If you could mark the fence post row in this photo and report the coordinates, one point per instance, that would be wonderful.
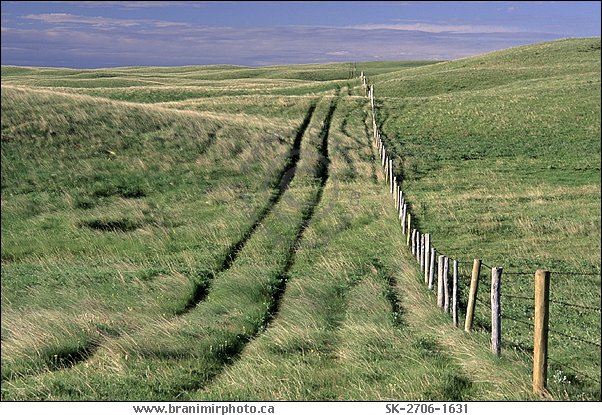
(426, 255)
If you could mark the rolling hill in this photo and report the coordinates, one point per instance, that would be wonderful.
(225, 233)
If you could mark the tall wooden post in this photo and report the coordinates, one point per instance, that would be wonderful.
(472, 296)
(427, 256)
(432, 268)
(496, 312)
(455, 293)
(540, 343)
(409, 228)
(422, 245)
(404, 215)
(391, 174)
(440, 282)
(417, 248)
(446, 284)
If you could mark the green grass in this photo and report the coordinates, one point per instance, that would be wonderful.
(507, 169)
(152, 248)
(119, 211)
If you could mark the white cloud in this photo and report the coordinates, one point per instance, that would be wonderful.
(82, 41)
(85, 20)
(439, 28)
(125, 4)
(339, 53)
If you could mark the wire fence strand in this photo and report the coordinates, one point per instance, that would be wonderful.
(465, 274)
(565, 366)
(526, 323)
(570, 336)
(576, 305)
(585, 307)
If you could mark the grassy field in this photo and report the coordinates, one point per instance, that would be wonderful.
(500, 158)
(224, 233)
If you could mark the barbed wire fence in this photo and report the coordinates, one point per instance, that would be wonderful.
(451, 279)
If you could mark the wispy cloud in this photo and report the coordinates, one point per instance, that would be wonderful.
(439, 28)
(124, 4)
(82, 20)
(189, 45)
(102, 34)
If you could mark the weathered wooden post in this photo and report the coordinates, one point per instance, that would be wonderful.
(496, 312)
(446, 284)
(540, 342)
(472, 296)
(417, 242)
(432, 268)
(440, 282)
(427, 257)
(404, 215)
(421, 252)
(409, 227)
(455, 293)
(413, 246)
(391, 175)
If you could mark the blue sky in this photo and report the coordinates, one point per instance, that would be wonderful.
(90, 34)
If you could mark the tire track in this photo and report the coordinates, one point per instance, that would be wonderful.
(286, 176)
(323, 175)
(229, 356)
(61, 359)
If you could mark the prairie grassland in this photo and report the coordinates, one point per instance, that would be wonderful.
(115, 213)
(225, 233)
(350, 324)
(185, 352)
(501, 162)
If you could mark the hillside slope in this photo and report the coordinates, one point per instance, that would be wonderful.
(500, 157)
(225, 233)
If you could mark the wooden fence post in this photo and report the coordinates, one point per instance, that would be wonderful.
(472, 296)
(496, 312)
(455, 293)
(416, 244)
(413, 246)
(440, 282)
(391, 174)
(422, 245)
(446, 284)
(427, 257)
(417, 249)
(432, 268)
(540, 343)
(408, 228)
(404, 214)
